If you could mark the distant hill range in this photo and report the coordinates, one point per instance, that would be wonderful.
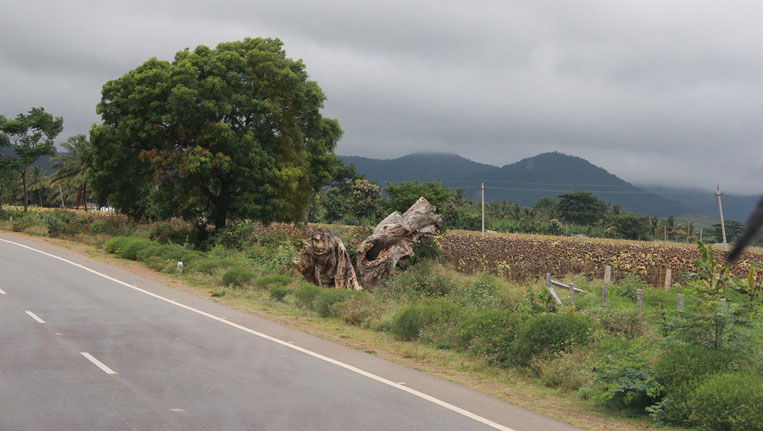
(548, 175)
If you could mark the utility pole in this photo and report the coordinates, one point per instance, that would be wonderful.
(700, 234)
(720, 209)
(483, 210)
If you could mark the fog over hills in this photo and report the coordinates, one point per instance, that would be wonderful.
(547, 175)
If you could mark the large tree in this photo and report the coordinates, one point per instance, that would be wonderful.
(72, 167)
(230, 132)
(581, 207)
(26, 139)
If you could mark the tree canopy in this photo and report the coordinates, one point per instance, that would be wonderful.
(25, 139)
(230, 132)
(581, 207)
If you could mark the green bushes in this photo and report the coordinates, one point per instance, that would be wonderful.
(127, 247)
(409, 322)
(490, 334)
(238, 276)
(623, 377)
(728, 402)
(549, 333)
(305, 295)
(680, 371)
(325, 303)
(174, 231)
(279, 293)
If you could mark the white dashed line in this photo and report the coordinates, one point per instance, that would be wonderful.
(2, 292)
(98, 363)
(348, 367)
(35, 317)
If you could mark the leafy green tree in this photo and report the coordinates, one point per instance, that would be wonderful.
(72, 166)
(581, 207)
(631, 226)
(404, 194)
(356, 200)
(26, 139)
(230, 132)
(547, 207)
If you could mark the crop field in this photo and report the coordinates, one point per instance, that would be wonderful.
(522, 257)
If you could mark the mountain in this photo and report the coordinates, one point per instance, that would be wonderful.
(523, 182)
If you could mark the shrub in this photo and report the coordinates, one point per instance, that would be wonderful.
(268, 281)
(550, 333)
(127, 247)
(325, 302)
(567, 371)
(628, 285)
(543, 302)
(238, 276)
(628, 325)
(279, 293)
(423, 281)
(728, 402)
(680, 371)
(623, 375)
(60, 222)
(361, 308)
(425, 249)
(479, 293)
(236, 237)
(174, 231)
(306, 295)
(490, 334)
(408, 322)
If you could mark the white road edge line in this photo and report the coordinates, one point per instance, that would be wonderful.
(364, 373)
(2, 292)
(97, 363)
(35, 317)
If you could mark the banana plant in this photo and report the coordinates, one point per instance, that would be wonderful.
(749, 286)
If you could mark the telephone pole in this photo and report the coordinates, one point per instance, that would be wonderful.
(718, 193)
(483, 210)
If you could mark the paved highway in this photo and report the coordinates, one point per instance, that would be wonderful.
(87, 346)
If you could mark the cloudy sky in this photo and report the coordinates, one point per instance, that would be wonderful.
(657, 92)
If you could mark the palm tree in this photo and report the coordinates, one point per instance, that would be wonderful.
(71, 166)
(38, 182)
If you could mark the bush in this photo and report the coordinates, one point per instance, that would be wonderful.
(174, 231)
(728, 402)
(325, 303)
(60, 223)
(543, 302)
(479, 293)
(490, 334)
(236, 237)
(623, 375)
(423, 281)
(680, 371)
(306, 295)
(238, 276)
(127, 247)
(550, 333)
(268, 281)
(408, 322)
(361, 308)
(279, 293)
(628, 285)
(425, 249)
(567, 371)
(628, 325)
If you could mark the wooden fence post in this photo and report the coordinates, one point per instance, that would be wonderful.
(572, 294)
(604, 299)
(680, 301)
(608, 274)
(640, 300)
(668, 275)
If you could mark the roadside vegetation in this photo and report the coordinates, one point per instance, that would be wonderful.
(700, 367)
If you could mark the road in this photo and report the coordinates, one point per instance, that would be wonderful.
(87, 346)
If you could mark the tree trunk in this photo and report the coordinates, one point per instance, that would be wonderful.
(393, 239)
(324, 261)
(84, 194)
(26, 192)
(79, 197)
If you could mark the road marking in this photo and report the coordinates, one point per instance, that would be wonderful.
(35, 317)
(177, 410)
(97, 363)
(2, 292)
(348, 367)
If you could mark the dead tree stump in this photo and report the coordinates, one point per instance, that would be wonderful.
(324, 261)
(393, 239)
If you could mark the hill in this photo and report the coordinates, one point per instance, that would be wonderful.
(523, 182)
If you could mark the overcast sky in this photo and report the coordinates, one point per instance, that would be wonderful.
(656, 92)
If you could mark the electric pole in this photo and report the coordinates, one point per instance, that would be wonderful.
(720, 209)
(483, 210)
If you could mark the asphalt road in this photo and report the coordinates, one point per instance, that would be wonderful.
(79, 351)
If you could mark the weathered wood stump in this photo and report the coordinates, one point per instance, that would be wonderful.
(324, 261)
(393, 239)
